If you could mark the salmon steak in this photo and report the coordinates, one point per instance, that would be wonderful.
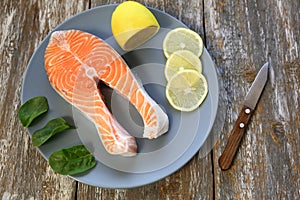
(75, 62)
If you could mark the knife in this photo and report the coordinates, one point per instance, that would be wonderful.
(241, 123)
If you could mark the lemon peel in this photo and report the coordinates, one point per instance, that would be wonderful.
(133, 24)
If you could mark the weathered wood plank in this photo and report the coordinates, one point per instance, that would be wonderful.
(24, 173)
(242, 36)
(193, 181)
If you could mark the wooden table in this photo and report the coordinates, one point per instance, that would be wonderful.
(240, 36)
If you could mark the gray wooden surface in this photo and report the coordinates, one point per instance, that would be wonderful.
(240, 36)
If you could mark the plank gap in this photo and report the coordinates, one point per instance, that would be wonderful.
(76, 190)
(213, 173)
(203, 21)
(211, 153)
(90, 4)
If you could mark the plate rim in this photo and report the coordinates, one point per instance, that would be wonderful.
(132, 185)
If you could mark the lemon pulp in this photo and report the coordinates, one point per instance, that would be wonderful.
(181, 60)
(186, 90)
(182, 39)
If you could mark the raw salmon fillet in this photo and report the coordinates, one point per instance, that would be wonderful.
(75, 62)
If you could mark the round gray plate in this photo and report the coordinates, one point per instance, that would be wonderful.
(157, 158)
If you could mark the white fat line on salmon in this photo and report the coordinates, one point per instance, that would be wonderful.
(124, 83)
(143, 109)
(94, 117)
(123, 133)
(148, 112)
(86, 101)
(103, 130)
(118, 74)
(64, 81)
(88, 107)
(77, 94)
(59, 37)
(76, 98)
(152, 117)
(137, 99)
(131, 89)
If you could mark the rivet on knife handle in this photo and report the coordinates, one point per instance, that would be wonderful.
(234, 140)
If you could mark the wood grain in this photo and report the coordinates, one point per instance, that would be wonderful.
(24, 173)
(240, 36)
(195, 180)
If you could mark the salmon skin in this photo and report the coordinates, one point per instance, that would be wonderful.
(75, 62)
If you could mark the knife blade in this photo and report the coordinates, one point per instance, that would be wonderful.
(242, 121)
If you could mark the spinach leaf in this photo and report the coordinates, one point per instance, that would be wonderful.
(31, 109)
(54, 126)
(72, 160)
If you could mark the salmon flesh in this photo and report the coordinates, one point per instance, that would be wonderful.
(75, 62)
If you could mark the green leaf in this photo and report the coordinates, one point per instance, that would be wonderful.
(72, 160)
(54, 126)
(31, 109)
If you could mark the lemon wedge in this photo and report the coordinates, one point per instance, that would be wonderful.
(186, 90)
(133, 24)
(181, 60)
(182, 39)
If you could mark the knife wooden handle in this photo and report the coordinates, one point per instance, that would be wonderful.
(234, 139)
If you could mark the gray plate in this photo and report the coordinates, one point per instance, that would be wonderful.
(157, 158)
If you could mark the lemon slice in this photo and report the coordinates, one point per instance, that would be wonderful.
(186, 90)
(133, 24)
(181, 60)
(182, 39)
